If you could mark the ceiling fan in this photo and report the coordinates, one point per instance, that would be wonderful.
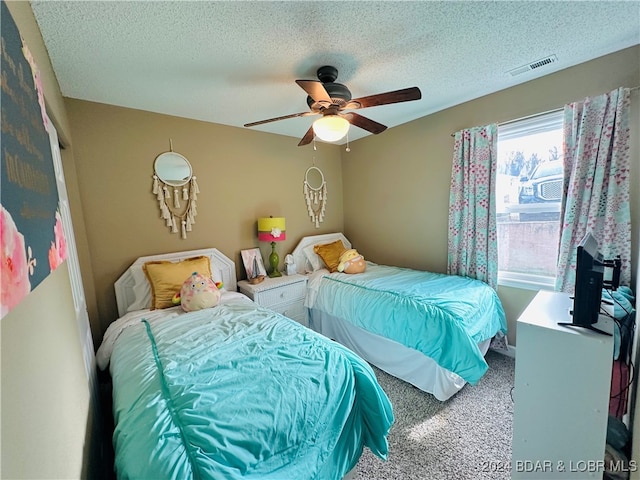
(330, 99)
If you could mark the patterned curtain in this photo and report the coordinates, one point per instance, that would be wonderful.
(596, 182)
(472, 244)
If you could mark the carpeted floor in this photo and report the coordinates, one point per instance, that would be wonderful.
(466, 437)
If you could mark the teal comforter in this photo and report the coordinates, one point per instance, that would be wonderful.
(442, 316)
(239, 392)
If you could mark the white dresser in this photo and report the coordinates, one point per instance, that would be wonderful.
(562, 389)
(283, 294)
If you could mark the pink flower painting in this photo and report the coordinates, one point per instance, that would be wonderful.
(14, 269)
(58, 250)
(30, 225)
(37, 81)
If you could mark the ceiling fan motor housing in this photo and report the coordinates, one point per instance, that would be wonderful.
(336, 91)
(327, 75)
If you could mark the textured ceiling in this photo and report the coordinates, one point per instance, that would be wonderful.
(235, 62)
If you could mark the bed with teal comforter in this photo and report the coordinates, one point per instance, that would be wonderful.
(238, 391)
(445, 317)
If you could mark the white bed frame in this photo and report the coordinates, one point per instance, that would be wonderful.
(392, 357)
(298, 253)
(222, 268)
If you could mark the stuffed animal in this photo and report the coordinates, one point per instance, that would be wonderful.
(351, 262)
(177, 298)
(198, 292)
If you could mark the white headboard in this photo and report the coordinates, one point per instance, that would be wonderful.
(222, 269)
(298, 253)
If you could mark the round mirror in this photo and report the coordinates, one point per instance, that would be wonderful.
(172, 168)
(314, 178)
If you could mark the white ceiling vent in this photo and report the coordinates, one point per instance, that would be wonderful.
(533, 65)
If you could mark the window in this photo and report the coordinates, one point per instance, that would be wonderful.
(528, 196)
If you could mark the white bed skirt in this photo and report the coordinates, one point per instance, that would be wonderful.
(392, 357)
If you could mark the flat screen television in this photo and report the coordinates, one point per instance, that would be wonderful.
(588, 287)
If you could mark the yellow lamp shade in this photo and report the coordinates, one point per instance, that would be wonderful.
(272, 229)
(331, 128)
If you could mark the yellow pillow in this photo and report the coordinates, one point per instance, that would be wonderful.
(166, 277)
(330, 254)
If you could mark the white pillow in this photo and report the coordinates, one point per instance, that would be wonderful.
(141, 291)
(312, 258)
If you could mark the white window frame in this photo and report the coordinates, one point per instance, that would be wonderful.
(539, 123)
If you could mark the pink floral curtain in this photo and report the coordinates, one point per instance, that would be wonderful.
(596, 182)
(472, 240)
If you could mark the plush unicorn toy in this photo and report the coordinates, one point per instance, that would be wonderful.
(198, 292)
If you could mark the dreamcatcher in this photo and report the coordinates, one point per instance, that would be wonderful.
(315, 196)
(173, 183)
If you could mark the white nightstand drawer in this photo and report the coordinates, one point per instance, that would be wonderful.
(276, 296)
(284, 295)
(294, 310)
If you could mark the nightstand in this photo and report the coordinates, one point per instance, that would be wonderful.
(283, 294)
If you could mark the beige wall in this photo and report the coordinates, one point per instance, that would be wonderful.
(242, 175)
(45, 394)
(397, 184)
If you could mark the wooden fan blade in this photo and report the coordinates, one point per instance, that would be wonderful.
(308, 137)
(397, 96)
(364, 123)
(284, 117)
(315, 90)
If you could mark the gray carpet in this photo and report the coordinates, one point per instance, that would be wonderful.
(466, 437)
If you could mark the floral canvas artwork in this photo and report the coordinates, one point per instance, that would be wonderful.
(14, 269)
(33, 242)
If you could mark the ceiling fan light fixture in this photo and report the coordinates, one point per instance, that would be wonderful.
(331, 128)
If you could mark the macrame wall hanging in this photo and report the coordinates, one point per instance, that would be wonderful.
(176, 190)
(315, 194)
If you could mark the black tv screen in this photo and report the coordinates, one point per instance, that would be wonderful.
(589, 282)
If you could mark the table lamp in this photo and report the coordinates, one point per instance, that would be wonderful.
(272, 230)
